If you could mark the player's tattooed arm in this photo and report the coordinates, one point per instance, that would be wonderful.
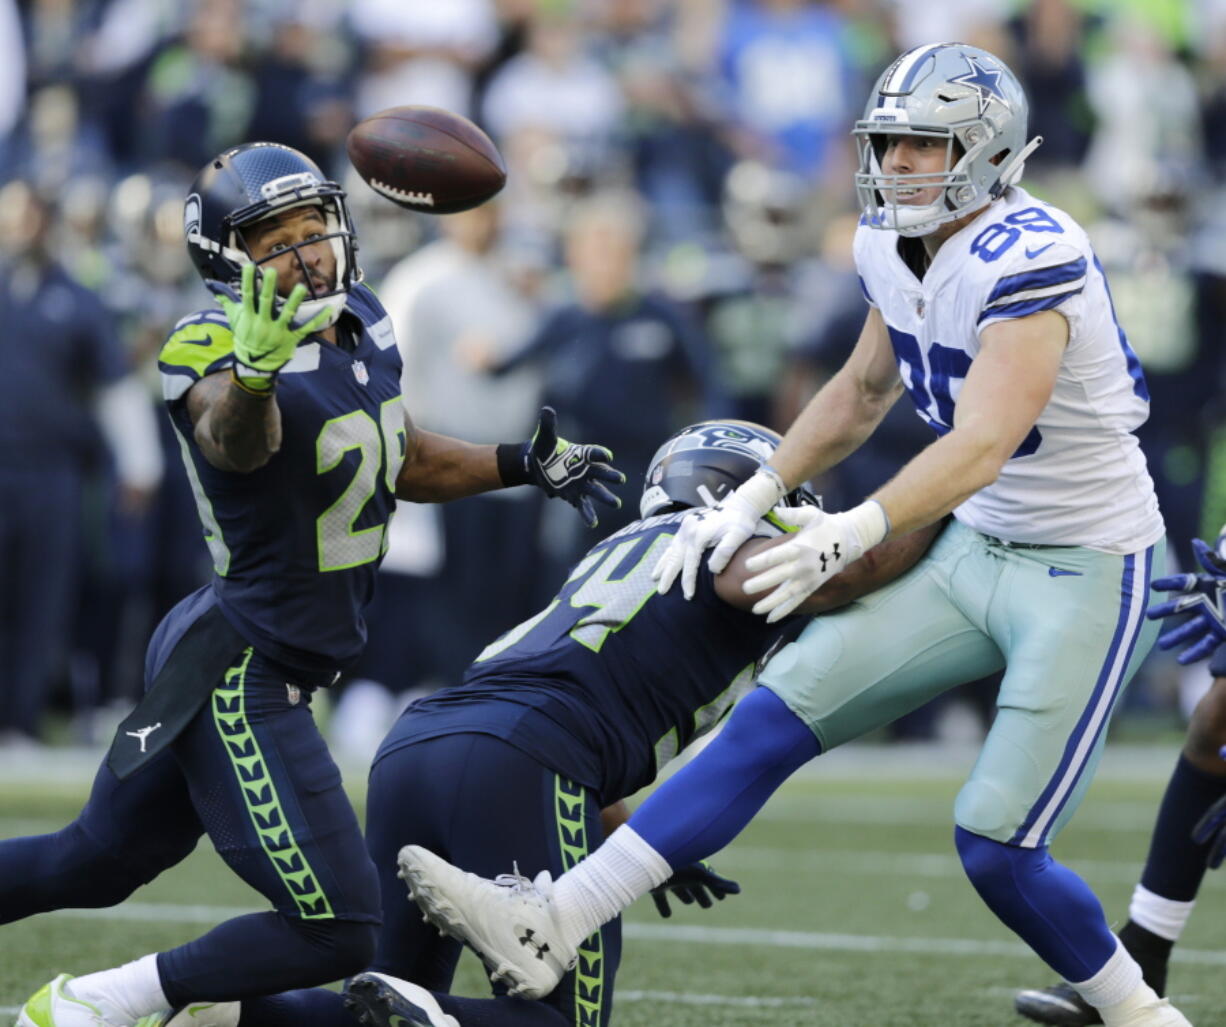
(236, 431)
(877, 567)
(438, 468)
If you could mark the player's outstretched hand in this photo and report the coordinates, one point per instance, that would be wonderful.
(1211, 828)
(570, 471)
(694, 883)
(725, 526)
(1199, 594)
(263, 344)
(800, 566)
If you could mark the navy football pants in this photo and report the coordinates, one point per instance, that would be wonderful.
(483, 805)
(251, 770)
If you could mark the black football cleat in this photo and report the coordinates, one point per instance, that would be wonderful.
(381, 1000)
(1059, 1005)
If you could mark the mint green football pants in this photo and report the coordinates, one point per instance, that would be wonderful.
(1067, 624)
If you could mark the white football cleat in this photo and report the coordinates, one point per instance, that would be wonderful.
(381, 1000)
(54, 1005)
(508, 922)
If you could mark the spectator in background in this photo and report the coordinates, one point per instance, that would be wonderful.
(198, 98)
(64, 378)
(555, 112)
(761, 291)
(619, 359)
(302, 88)
(454, 304)
(422, 53)
(1147, 138)
(1049, 38)
(784, 77)
(678, 163)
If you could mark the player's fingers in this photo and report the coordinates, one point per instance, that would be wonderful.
(319, 321)
(1174, 583)
(597, 491)
(606, 472)
(660, 898)
(665, 571)
(786, 609)
(545, 441)
(1160, 610)
(290, 307)
(1206, 557)
(268, 293)
(690, 563)
(724, 550)
(587, 512)
(1186, 631)
(1199, 651)
(772, 557)
(771, 577)
(769, 602)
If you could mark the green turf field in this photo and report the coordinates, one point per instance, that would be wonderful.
(855, 911)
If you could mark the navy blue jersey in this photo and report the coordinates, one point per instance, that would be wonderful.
(296, 543)
(611, 679)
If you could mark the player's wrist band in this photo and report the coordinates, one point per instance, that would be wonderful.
(512, 464)
(254, 383)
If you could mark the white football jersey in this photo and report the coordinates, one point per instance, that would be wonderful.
(1079, 477)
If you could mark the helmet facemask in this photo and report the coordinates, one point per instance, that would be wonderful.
(337, 233)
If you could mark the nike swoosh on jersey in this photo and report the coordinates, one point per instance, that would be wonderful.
(1056, 572)
(1035, 253)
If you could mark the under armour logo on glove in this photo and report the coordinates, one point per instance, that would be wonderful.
(800, 566)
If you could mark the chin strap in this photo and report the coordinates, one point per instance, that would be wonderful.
(1012, 169)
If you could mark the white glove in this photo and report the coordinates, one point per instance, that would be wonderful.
(725, 526)
(823, 547)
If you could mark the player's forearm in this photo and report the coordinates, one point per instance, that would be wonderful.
(439, 468)
(236, 430)
(834, 424)
(941, 477)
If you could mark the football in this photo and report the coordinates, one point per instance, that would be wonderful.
(426, 159)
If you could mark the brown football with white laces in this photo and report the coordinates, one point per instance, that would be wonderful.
(426, 159)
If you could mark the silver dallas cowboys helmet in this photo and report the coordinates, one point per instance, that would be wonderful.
(949, 91)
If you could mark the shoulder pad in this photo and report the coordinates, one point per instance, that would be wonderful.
(198, 345)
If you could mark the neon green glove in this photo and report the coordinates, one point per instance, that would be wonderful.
(263, 344)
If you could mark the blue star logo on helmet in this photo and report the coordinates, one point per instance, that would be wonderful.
(985, 81)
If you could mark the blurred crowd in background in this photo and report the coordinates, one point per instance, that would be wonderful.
(673, 243)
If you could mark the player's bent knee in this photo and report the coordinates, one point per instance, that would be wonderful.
(983, 809)
(343, 947)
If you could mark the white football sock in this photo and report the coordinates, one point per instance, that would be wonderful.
(134, 989)
(1164, 917)
(1116, 981)
(596, 890)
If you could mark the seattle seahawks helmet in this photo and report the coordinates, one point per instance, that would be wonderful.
(701, 464)
(948, 91)
(255, 181)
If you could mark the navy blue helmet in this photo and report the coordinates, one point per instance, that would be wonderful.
(701, 464)
(252, 182)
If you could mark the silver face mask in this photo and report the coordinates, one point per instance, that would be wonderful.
(952, 92)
